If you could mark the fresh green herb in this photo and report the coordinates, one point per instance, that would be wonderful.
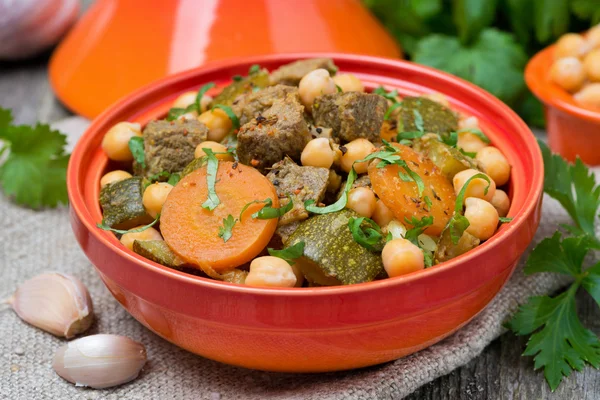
(389, 237)
(366, 233)
(174, 179)
(289, 254)
(268, 212)
(404, 177)
(418, 227)
(211, 179)
(175, 113)
(105, 227)
(200, 94)
(136, 145)
(339, 204)
(225, 231)
(266, 202)
(253, 69)
(477, 133)
(162, 175)
(468, 153)
(339, 88)
(229, 111)
(458, 223)
(418, 120)
(414, 176)
(505, 220)
(34, 172)
(451, 139)
(390, 110)
(391, 95)
(428, 202)
(237, 78)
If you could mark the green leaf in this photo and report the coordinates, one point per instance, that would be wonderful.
(587, 10)
(494, 61)
(409, 135)
(136, 145)
(266, 202)
(229, 111)
(505, 220)
(225, 231)
(201, 92)
(211, 179)
(555, 255)
(551, 19)
(339, 88)
(105, 227)
(451, 139)
(5, 118)
(591, 282)
(418, 227)
(391, 95)
(366, 233)
(174, 179)
(459, 223)
(477, 133)
(418, 120)
(339, 204)
(253, 69)
(269, 212)
(390, 110)
(289, 254)
(472, 16)
(237, 78)
(521, 19)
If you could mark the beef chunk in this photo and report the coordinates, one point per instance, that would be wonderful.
(291, 74)
(351, 115)
(253, 104)
(121, 204)
(279, 131)
(169, 145)
(301, 183)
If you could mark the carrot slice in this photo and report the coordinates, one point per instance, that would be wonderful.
(192, 232)
(402, 197)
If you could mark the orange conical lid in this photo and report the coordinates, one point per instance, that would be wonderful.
(120, 45)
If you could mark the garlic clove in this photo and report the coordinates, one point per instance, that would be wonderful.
(100, 361)
(55, 302)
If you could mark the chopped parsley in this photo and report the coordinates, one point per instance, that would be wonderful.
(136, 145)
(366, 233)
(225, 231)
(268, 211)
(391, 95)
(289, 254)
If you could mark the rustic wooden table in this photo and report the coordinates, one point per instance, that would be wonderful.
(498, 373)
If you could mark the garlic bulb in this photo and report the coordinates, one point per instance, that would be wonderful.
(100, 361)
(55, 302)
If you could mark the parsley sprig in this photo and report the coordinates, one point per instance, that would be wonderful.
(225, 231)
(367, 233)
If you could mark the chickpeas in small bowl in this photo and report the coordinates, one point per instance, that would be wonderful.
(566, 78)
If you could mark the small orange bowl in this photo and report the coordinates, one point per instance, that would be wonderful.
(310, 329)
(573, 130)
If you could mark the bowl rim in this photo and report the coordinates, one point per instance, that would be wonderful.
(78, 206)
(550, 93)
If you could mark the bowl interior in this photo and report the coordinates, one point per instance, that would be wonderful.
(506, 130)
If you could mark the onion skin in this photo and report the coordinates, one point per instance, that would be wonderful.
(27, 27)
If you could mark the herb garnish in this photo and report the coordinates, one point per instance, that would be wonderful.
(200, 94)
(391, 95)
(211, 179)
(289, 254)
(366, 233)
(229, 111)
(268, 212)
(225, 231)
(459, 223)
(339, 89)
(136, 145)
(105, 227)
(418, 120)
(339, 204)
(418, 227)
(177, 112)
(390, 110)
(174, 179)
(505, 220)
(477, 133)
(253, 69)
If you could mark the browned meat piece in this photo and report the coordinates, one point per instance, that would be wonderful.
(253, 104)
(169, 145)
(301, 183)
(351, 115)
(291, 74)
(279, 131)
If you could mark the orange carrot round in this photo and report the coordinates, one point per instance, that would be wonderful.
(192, 232)
(402, 197)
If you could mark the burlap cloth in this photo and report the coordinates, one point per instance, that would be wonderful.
(32, 242)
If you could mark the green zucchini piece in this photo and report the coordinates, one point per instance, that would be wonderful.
(448, 159)
(447, 250)
(157, 251)
(331, 256)
(229, 93)
(436, 117)
(122, 206)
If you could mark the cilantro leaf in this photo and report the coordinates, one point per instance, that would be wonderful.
(268, 212)
(366, 233)
(254, 68)
(229, 111)
(418, 227)
(339, 204)
(390, 110)
(105, 227)
(136, 145)
(494, 61)
(554, 255)
(471, 16)
(201, 92)
(459, 223)
(551, 18)
(211, 179)
(591, 282)
(391, 95)
(225, 231)
(289, 254)
(174, 179)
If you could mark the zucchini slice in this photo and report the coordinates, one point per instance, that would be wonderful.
(122, 206)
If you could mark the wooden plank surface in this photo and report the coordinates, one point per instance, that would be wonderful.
(498, 373)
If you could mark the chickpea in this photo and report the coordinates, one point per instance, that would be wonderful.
(272, 272)
(568, 73)
(217, 122)
(189, 98)
(570, 45)
(317, 153)
(216, 148)
(356, 150)
(382, 215)
(154, 197)
(483, 218)
(593, 37)
(495, 165)
(470, 142)
(114, 176)
(468, 122)
(591, 65)
(116, 141)
(349, 83)
(148, 234)
(438, 98)
(589, 96)
(362, 200)
(501, 202)
(401, 257)
(314, 84)
(476, 186)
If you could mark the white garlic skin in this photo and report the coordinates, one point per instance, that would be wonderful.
(100, 361)
(55, 302)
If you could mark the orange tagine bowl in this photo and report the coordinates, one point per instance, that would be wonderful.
(120, 45)
(320, 328)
